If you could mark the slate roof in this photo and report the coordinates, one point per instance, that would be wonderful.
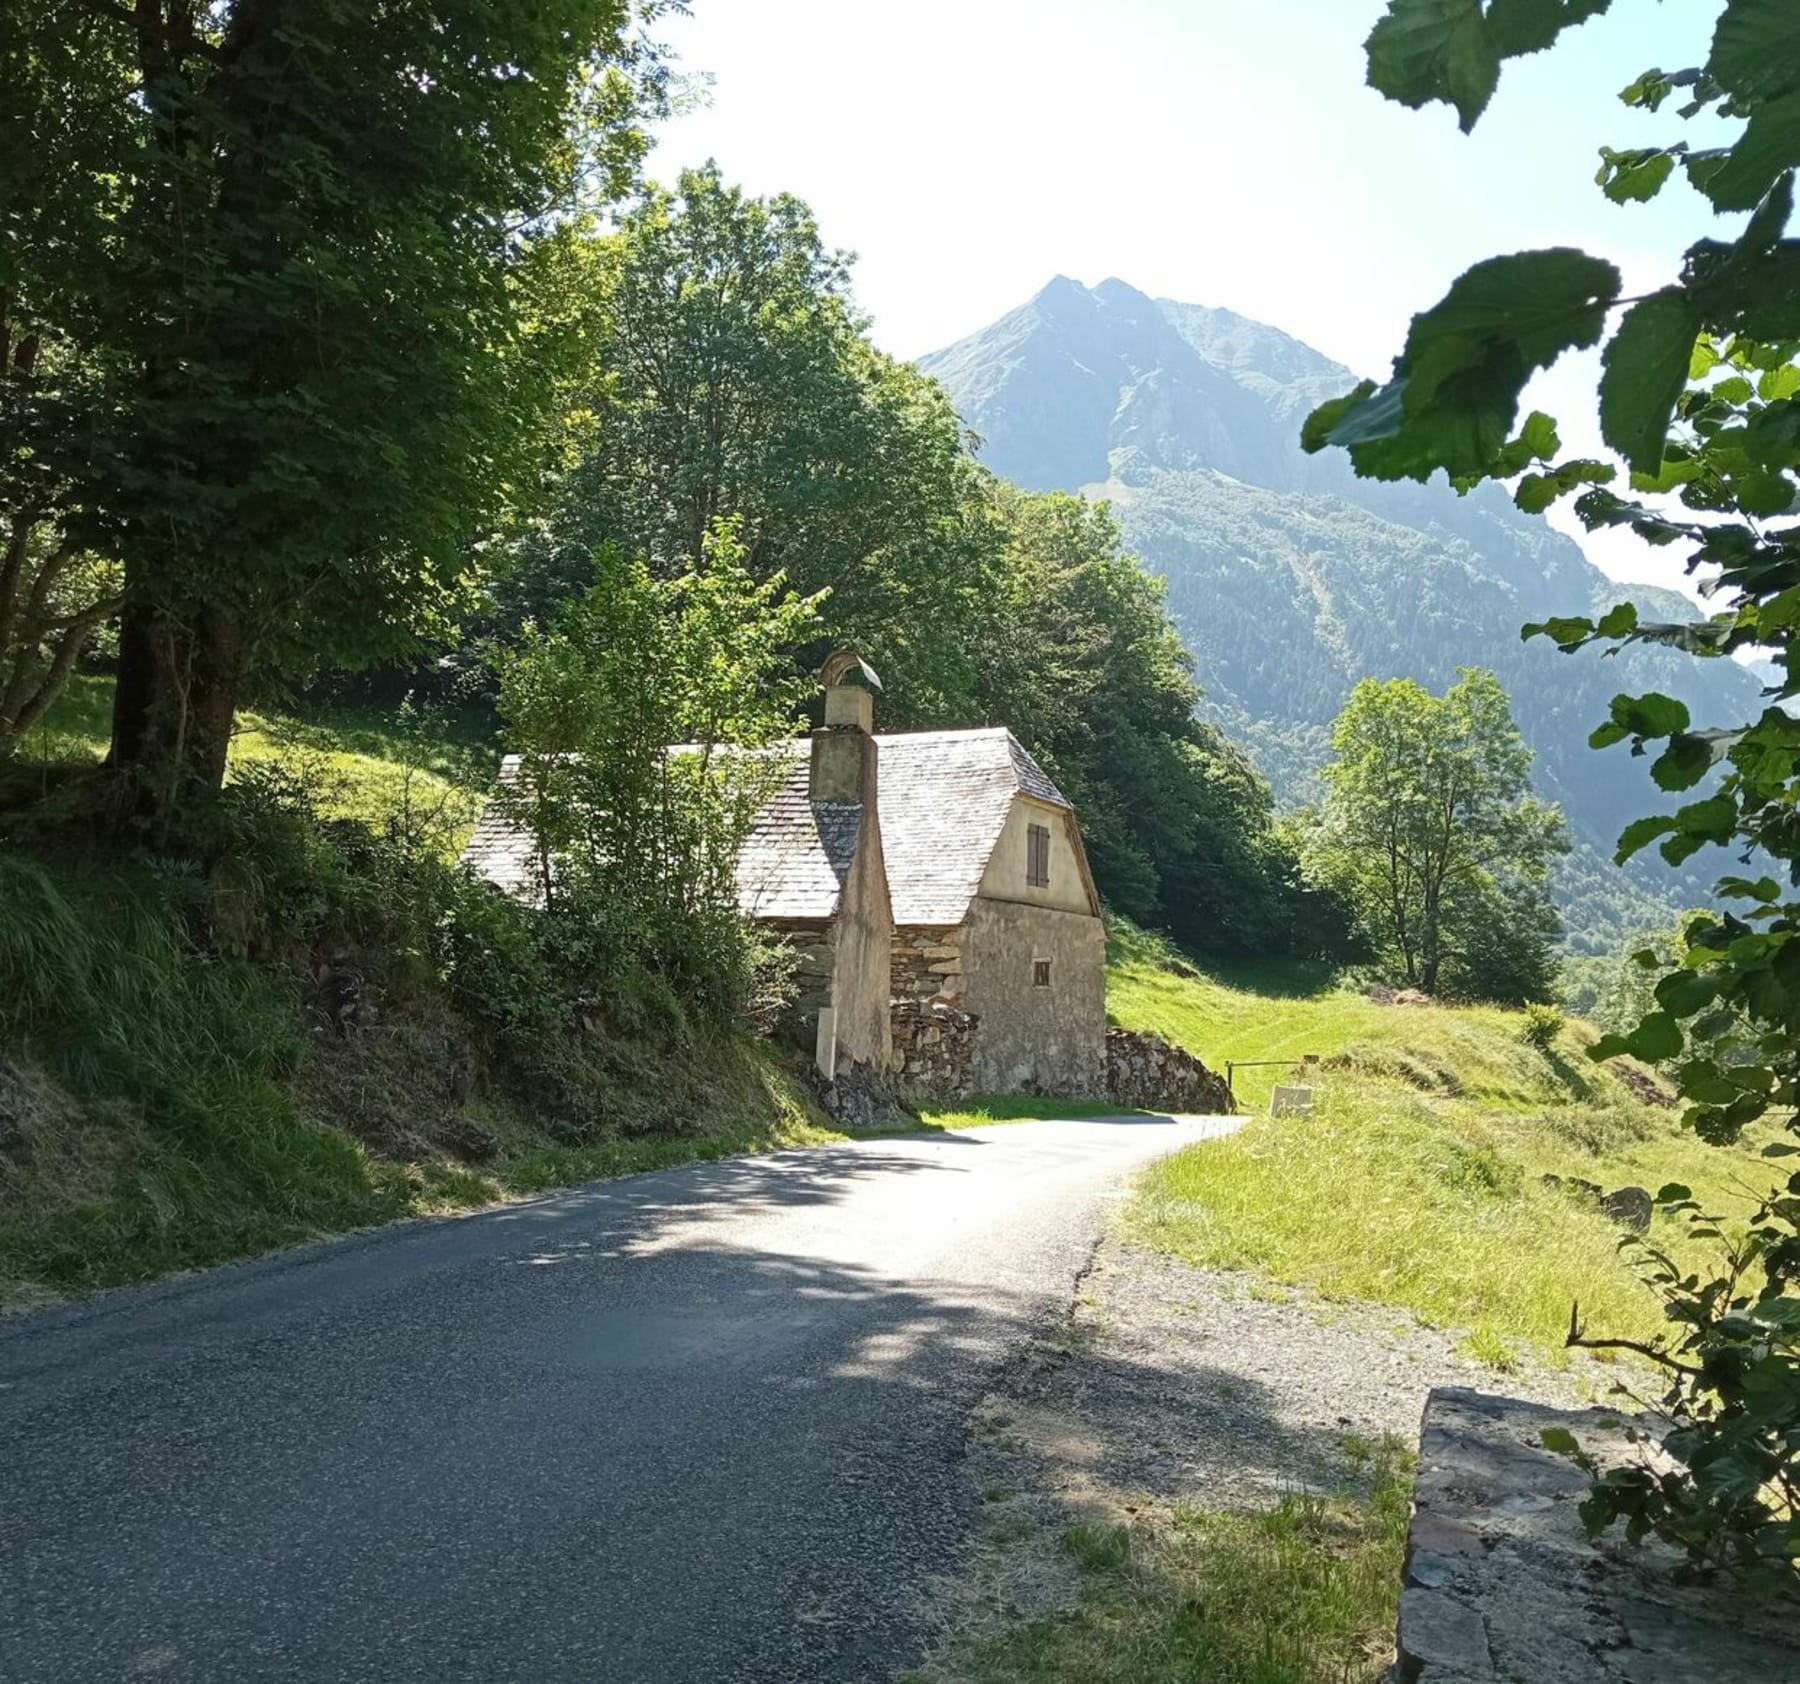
(944, 799)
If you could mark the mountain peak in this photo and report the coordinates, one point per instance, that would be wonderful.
(1112, 290)
(1079, 382)
(1062, 295)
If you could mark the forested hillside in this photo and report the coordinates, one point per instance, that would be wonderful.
(1290, 579)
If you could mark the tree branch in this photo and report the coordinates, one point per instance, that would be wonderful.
(1577, 1338)
(115, 12)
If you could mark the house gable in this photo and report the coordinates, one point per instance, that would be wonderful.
(1056, 855)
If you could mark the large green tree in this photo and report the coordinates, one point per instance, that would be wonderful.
(734, 377)
(1699, 400)
(288, 242)
(1430, 828)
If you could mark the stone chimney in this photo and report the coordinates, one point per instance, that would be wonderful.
(843, 748)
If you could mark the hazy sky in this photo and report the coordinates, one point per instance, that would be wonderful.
(1207, 150)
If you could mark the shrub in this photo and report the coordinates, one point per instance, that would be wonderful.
(652, 721)
(1726, 1488)
(1541, 1027)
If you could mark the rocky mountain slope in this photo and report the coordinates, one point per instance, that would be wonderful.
(1291, 579)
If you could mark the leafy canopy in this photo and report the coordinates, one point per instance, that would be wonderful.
(290, 245)
(1698, 397)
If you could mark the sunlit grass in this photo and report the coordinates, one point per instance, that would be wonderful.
(1304, 1591)
(366, 763)
(1418, 1182)
(987, 1108)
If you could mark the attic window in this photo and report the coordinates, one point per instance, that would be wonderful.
(1040, 973)
(1037, 856)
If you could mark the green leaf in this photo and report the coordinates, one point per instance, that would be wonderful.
(1559, 1441)
(1762, 234)
(1529, 26)
(1683, 763)
(1651, 714)
(1426, 50)
(1646, 370)
(1618, 621)
(1701, 1079)
(1713, 819)
(1539, 436)
(1779, 383)
(1634, 175)
(1536, 492)
(1656, 1038)
(1756, 49)
(1316, 430)
(1568, 631)
(1674, 1192)
(1639, 834)
(1685, 993)
(1769, 146)
(1763, 493)
(1456, 385)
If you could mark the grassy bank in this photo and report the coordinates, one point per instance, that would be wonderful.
(1419, 1182)
(176, 1088)
(363, 763)
(163, 1107)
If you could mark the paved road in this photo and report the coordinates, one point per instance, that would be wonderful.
(696, 1425)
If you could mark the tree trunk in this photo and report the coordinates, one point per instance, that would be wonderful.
(175, 701)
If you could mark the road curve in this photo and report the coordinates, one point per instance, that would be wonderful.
(697, 1425)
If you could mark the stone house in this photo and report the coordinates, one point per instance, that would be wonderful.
(930, 880)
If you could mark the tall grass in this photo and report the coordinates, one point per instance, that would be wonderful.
(181, 1058)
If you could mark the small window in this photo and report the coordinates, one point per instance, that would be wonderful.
(1037, 856)
(1040, 973)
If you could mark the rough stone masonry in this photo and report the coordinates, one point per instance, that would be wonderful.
(1504, 1586)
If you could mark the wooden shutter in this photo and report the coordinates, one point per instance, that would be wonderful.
(1037, 856)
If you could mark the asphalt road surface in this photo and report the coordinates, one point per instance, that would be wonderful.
(700, 1425)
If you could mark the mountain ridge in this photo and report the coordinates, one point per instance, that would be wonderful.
(1289, 578)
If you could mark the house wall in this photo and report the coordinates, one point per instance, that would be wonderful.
(1051, 1040)
(861, 979)
(1005, 876)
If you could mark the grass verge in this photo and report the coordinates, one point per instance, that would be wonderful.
(1419, 1182)
(1303, 1591)
(985, 1109)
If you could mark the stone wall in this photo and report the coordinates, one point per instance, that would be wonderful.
(1148, 1073)
(1503, 1583)
(813, 954)
(934, 1048)
(927, 963)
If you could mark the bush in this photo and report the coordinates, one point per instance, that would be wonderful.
(1541, 1027)
(1726, 1488)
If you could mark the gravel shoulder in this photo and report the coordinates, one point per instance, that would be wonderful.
(1171, 1386)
